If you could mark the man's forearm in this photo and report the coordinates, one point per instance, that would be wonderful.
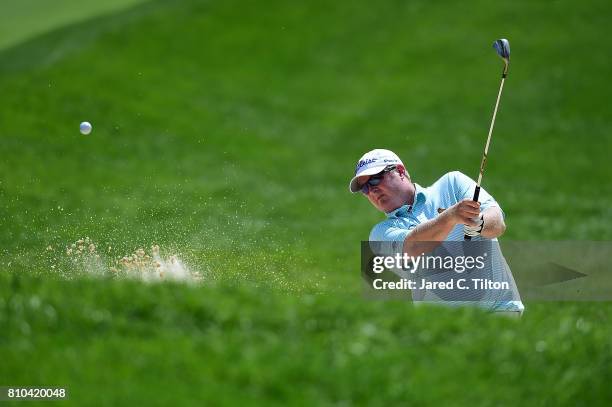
(426, 236)
(494, 225)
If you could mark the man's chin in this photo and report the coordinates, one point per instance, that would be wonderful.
(385, 201)
(385, 206)
(388, 205)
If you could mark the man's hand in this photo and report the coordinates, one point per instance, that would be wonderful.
(466, 212)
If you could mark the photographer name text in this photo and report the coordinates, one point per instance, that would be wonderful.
(452, 284)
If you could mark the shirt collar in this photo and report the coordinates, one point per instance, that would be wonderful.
(402, 211)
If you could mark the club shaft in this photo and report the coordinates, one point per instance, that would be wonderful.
(486, 149)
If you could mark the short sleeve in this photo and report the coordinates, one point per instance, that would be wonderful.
(387, 239)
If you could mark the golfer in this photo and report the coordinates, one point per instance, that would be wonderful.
(442, 212)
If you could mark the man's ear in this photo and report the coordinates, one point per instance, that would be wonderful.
(402, 172)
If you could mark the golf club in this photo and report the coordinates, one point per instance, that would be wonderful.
(502, 47)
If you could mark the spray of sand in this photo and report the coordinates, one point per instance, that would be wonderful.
(85, 257)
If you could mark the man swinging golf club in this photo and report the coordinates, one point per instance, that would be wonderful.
(454, 208)
(420, 217)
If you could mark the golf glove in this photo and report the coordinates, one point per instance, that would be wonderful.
(473, 231)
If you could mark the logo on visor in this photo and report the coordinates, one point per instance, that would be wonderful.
(364, 162)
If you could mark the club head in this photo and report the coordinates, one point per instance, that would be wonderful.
(502, 46)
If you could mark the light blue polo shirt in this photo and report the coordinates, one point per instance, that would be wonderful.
(444, 193)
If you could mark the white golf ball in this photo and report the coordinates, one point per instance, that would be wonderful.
(85, 128)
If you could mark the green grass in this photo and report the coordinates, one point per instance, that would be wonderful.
(129, 343)
(227, 132)
(24, 19)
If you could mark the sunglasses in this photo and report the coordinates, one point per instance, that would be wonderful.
(376, 179)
